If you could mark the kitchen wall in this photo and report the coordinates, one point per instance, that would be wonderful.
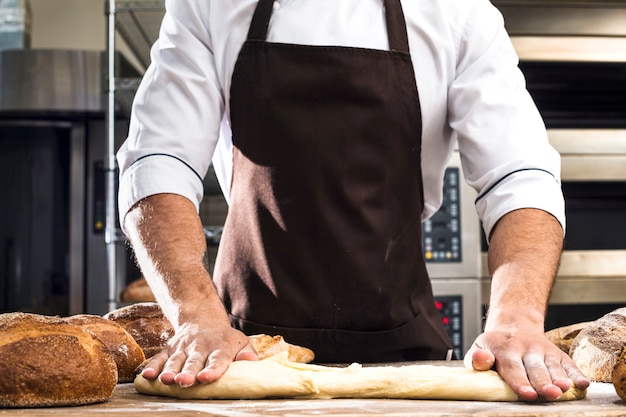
(72, 24)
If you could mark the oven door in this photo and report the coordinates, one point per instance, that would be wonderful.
(593, 264)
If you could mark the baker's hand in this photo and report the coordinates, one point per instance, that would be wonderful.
(198, 354)
(531, 364)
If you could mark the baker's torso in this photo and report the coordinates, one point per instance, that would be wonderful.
(322, 243)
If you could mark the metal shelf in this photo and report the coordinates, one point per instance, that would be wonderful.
(138, 23)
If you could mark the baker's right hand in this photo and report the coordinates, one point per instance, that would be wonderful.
(198, 354)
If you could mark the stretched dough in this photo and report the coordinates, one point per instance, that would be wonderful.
(277, 377)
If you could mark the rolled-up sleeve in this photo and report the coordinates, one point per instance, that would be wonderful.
(176, 113)
(504, 147)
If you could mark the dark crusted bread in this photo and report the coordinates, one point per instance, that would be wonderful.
(47, 362)
(127, 353)
(146, 324)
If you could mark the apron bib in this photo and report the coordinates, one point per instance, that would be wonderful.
(322, 242)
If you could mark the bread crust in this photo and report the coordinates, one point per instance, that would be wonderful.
(146, 323)
(127, 354)
(151, 329)
(137, 291)
(618, 376)
(48, 362)
(563, 337)
(267, 346)
(596, 348)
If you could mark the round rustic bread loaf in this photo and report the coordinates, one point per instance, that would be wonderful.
(597, 347)
(48, 362)
(619, 374)
(127, 353)
(563, 337)
(146, 324)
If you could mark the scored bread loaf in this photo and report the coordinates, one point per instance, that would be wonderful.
(151, 329)
(596, 348)
(127, 354)
(48, 362)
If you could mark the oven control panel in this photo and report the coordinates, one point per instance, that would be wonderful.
(450, 309)
(441, 233)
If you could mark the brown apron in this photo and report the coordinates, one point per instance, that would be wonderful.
(322, 243)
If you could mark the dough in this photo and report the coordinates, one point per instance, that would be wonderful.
(277, 377)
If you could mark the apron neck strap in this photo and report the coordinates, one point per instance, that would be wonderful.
(396, 24)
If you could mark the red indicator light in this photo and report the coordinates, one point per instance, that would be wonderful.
(439, 305)
(446, 320)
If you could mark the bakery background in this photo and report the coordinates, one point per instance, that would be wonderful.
(66, 83)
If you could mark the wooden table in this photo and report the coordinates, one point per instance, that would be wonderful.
(601, 401)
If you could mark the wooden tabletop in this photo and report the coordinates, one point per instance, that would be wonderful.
(601, 400)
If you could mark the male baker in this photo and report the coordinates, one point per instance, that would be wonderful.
(339, 118)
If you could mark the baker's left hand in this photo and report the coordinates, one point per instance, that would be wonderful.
(532, 365)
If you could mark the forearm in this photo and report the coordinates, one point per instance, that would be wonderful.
(524, 254)
(169, 243)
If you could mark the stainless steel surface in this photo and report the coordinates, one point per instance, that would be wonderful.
(110, 230)
(571, 48)
(77, 219)
(463, 278)
(591, 154)
(471, 292)
(33, 79)
(563, 17)
(470, 267)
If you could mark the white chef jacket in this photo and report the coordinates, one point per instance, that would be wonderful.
(471, 91)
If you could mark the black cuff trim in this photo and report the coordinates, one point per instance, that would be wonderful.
(508, 175)
(171, 156)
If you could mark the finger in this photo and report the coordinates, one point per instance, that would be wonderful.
(247, 353)
(193, 365)
(514, 373)
(172, 367)
(216, 365)
(557, 372)
(540, 378)
(480, 359)
(573, 373)
(155, 364)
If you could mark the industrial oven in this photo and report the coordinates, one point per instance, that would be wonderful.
(52, 182)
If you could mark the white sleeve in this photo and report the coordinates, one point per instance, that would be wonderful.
(505, 153)
(176, 113)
